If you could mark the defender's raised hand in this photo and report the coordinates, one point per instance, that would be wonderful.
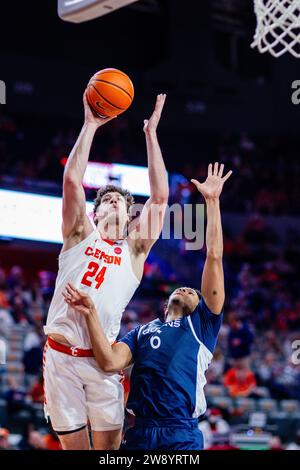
(213, 185)
(150, 125)
(78, 300)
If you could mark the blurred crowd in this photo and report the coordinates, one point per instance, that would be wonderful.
(266, 169)
(256, 354)
(266, 172)
(38, 148)
(255, 346)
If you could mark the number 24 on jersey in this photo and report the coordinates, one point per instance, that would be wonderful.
(93, 274)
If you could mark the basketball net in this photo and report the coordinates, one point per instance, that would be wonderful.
(278, 27)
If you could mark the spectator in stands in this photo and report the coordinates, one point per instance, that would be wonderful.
(16, 277)
(4, 442)
(129, 321)
(240, 338)
(15, 397)
(295, 445)
(33, 353)
(31, 439)
(240, 380)
(216, 370)
(266, 369)
(4, 303)
(287, 382)
(46, 284)
(275, 443)
(214, 427)
(19, 306)
(51, 441)
(37, 391)
(6, 322)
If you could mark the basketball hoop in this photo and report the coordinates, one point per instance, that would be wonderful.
(278, 27)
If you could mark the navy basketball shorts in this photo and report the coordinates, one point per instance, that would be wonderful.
(163, 434)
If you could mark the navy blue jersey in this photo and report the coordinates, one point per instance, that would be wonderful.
(170, 360)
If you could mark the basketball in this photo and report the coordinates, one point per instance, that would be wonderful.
(110, 92)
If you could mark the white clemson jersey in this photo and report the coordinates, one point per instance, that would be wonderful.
(102, 269)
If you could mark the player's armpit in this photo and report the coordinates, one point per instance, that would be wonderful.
(120, 359)
(74, 216)
(212, 287)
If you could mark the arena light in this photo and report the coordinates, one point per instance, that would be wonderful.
(78, 11)
(17, 208)
(30, 216)
(131, 177)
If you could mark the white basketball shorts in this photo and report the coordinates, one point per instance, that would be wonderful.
(78, 392)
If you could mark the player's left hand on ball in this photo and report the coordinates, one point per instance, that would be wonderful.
(150, 125)
(78, 300)
(213, 185)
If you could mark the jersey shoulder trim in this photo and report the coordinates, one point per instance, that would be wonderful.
(209, 353)
(193, 329)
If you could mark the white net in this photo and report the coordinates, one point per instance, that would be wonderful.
(278, 27)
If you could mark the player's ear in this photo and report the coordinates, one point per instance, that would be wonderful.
(166, 309)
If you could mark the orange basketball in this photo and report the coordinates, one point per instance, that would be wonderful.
(110, 92)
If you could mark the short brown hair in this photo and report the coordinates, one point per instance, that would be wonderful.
(111, 188)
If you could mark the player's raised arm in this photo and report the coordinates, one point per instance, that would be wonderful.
(109, 358)
(74, 204)
(152, 216)
(212, 288)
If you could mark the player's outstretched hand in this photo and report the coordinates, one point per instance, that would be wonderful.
(213, 185)
(150, 125)
(90, 117)
(78, 300)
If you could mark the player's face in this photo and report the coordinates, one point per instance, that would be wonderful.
(113, 209)
(185, 297)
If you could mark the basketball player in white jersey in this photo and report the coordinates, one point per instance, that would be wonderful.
(109, 267)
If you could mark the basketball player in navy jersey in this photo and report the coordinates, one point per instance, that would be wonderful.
(169, 358)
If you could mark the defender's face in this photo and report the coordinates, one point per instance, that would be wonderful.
(186, 297)
(112, 209)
